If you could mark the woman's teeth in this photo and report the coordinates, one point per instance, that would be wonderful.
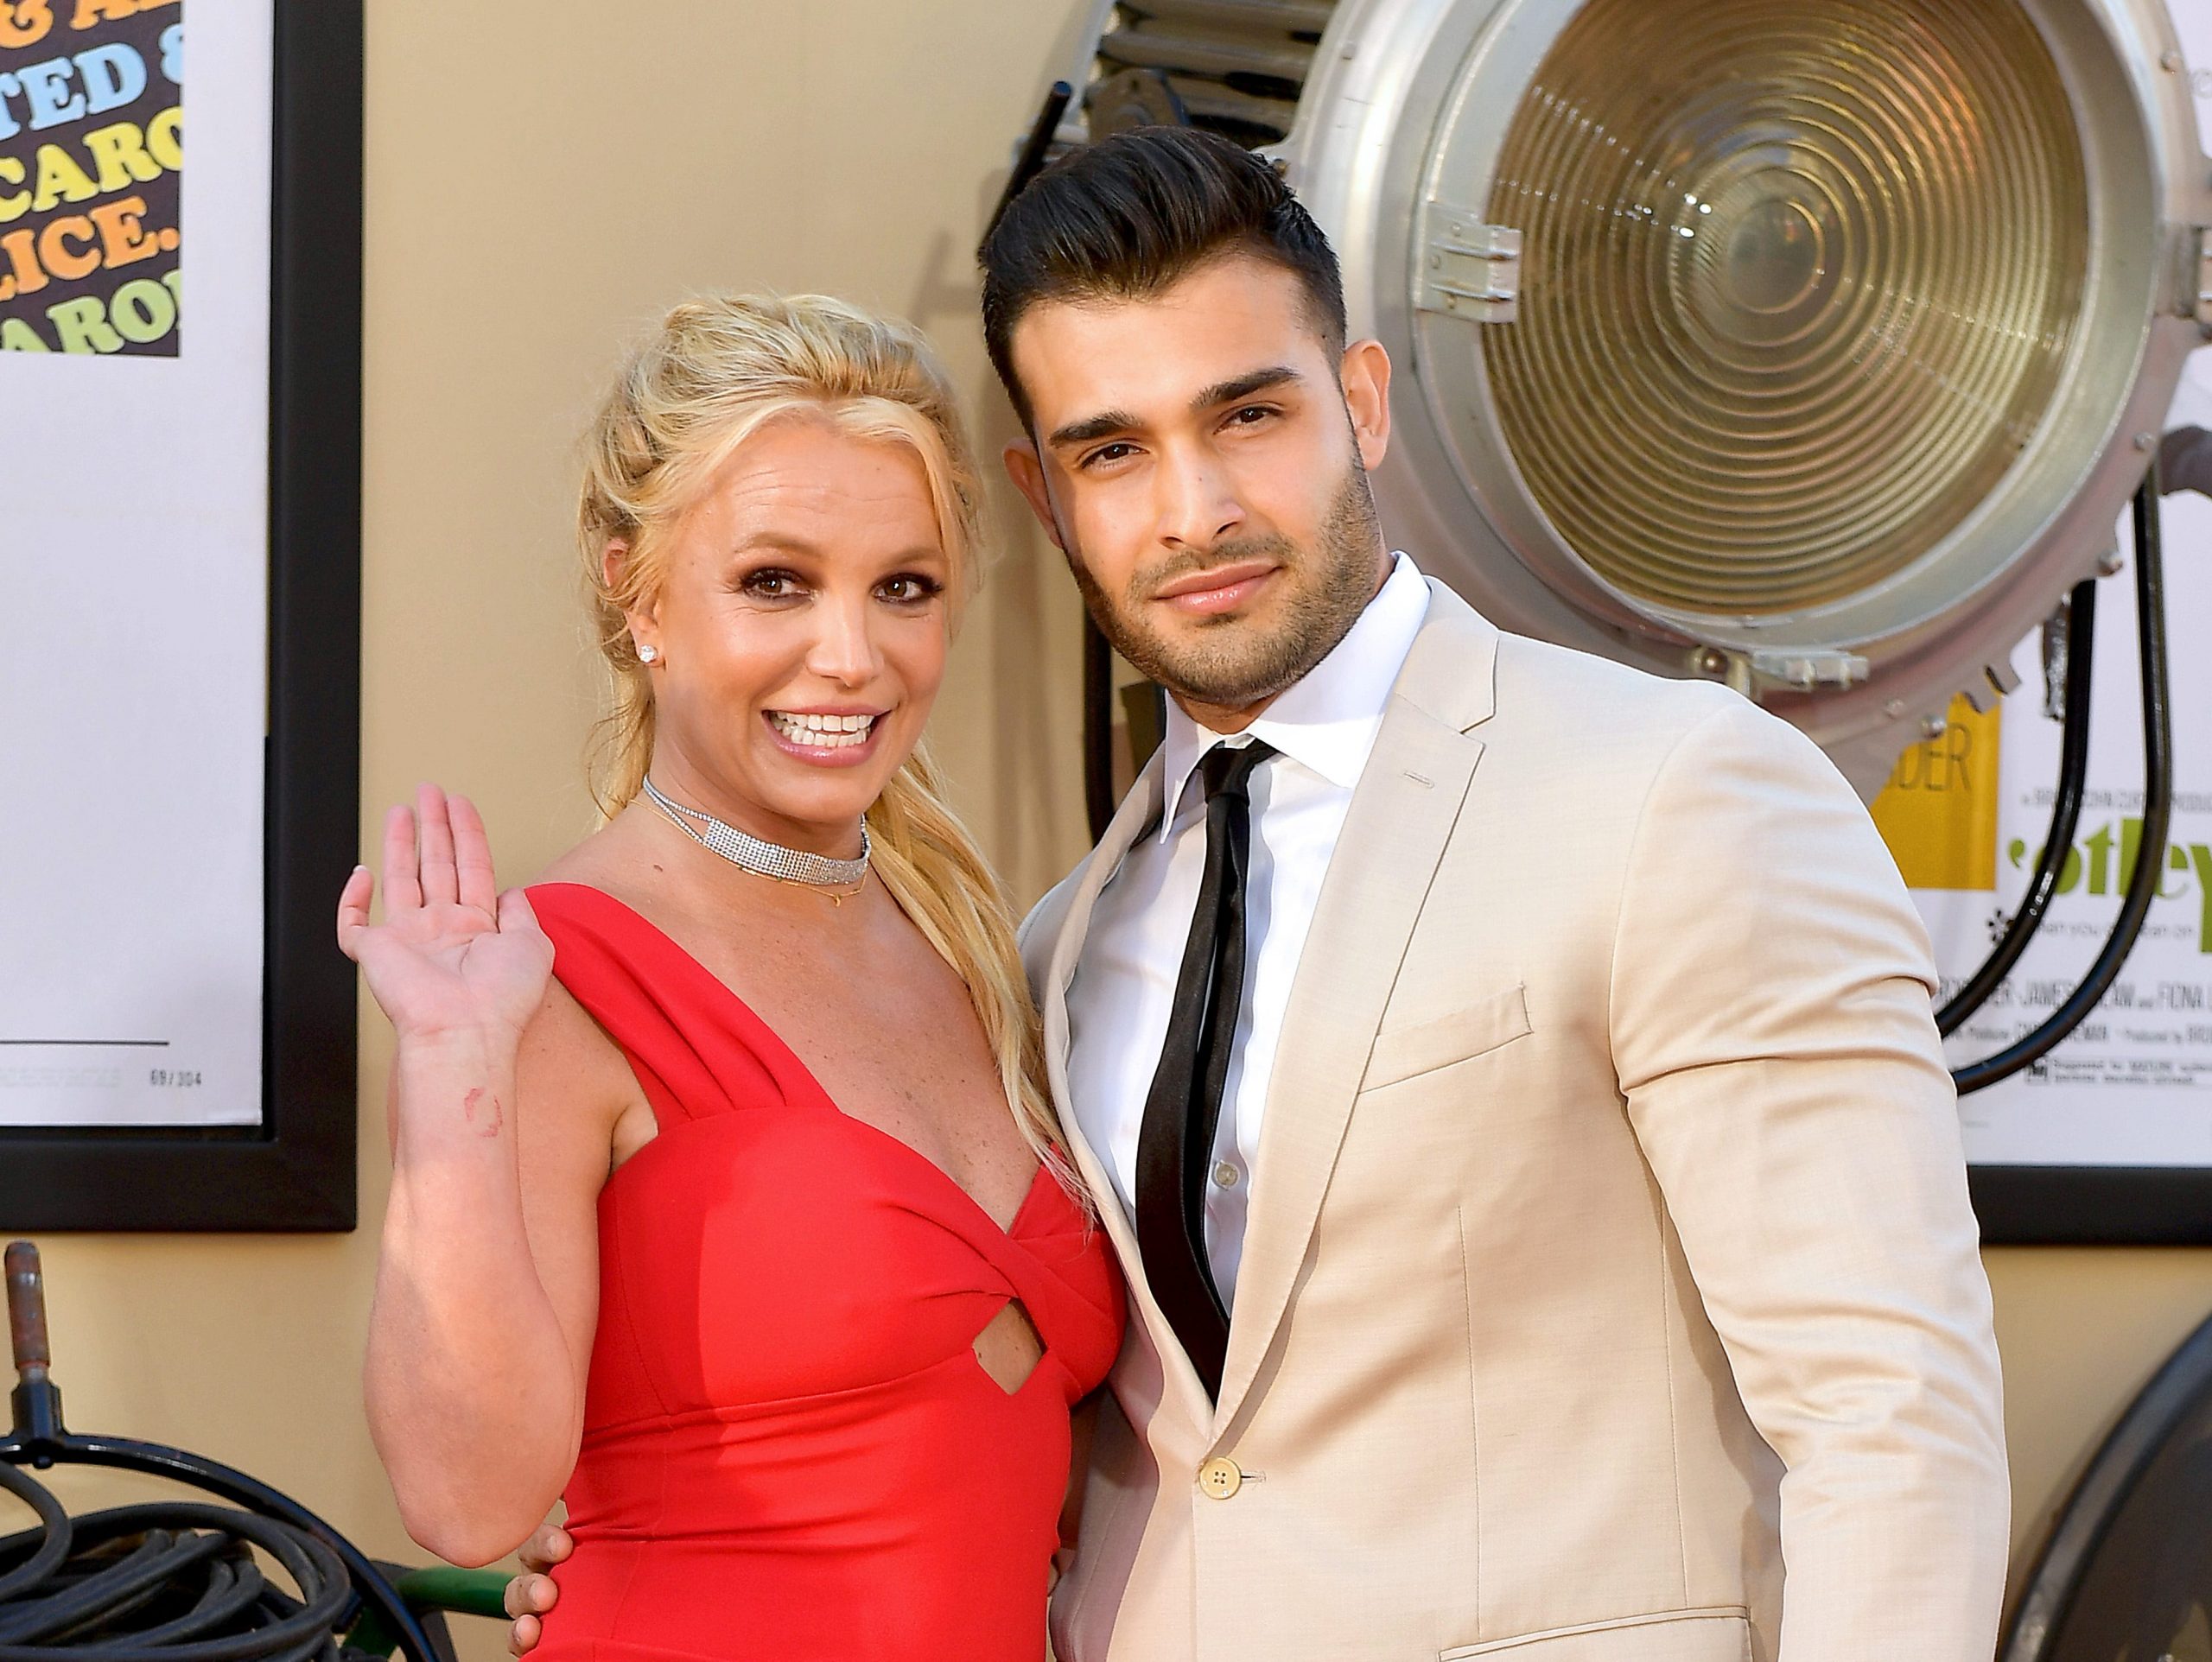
(825, 732)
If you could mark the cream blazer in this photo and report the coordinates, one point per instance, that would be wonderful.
(1611, 1293)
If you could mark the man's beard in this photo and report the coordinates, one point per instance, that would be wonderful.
(1234, 663)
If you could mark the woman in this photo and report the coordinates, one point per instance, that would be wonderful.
(725, 1190)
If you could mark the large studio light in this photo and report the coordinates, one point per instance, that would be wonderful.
(1815, 348)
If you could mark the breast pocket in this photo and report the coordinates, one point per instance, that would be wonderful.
(1717, 1633)
(1458, 1036)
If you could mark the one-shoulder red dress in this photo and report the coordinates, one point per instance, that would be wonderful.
(791, 1451)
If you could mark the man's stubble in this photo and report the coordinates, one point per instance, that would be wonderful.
(1236, 663)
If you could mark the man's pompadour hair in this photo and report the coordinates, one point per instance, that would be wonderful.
(1128, 216)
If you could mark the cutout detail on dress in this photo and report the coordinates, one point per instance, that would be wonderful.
(1009, 1348)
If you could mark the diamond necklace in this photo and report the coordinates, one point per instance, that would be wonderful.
(768, 860)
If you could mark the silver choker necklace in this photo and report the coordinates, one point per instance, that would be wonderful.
(770, 860)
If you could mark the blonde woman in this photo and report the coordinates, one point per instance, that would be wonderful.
(726, 1197)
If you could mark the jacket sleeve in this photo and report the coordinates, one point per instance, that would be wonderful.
(1772, 1030)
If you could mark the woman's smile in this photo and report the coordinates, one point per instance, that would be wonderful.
(826, 738)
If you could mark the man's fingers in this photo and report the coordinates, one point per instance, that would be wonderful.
(403, 885)
(548, 1544)
(471, 855)
(530, 1595)
(441, 883)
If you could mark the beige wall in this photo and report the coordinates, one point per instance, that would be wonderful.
(541, 179)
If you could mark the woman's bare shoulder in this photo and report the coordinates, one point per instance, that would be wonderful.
(613, 860)
(598, 855)
(564, 1046)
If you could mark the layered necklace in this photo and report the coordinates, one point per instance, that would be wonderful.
(837, 878)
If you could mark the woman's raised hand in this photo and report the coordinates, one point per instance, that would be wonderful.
(453, 956)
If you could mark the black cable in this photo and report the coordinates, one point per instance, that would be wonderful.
(2066, 813)
(55, 1533)
(2157, 811)
(173, 1581)
(67, 1605)
(71, 1586)
(154, 1460)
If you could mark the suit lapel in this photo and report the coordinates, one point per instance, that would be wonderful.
(1139, 810)
(1394, 834)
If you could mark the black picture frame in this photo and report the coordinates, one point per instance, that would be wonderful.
(2092, 1206)
(295, 1171)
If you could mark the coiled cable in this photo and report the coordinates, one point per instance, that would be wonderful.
(170, 1581)
(163, 1581)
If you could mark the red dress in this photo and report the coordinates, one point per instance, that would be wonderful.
(790, 1449)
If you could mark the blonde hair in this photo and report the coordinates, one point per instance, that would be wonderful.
(715, 373)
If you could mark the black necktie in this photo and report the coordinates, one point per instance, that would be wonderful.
(1175, 1147)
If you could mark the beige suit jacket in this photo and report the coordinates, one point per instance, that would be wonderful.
(1609, 1292)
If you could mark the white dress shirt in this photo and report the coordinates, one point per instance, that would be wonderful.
(1118, 1005)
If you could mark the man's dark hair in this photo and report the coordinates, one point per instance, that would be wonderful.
(1131, 215)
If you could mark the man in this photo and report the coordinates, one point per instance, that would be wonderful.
(1508, 1079)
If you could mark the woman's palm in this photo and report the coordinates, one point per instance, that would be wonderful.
(452, 954)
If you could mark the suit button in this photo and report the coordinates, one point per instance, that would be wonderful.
(1221, 1478)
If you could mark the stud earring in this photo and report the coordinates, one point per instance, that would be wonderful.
(647, 654)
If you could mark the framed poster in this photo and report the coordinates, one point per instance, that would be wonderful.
(179, 379)
(2109, 1138)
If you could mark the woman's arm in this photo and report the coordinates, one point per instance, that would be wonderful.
(501, 1120)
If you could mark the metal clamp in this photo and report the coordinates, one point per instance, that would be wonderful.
(1997, 681)
(1806, 670)
(1468, 269)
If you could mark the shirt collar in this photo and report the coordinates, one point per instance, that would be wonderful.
(1326, 720)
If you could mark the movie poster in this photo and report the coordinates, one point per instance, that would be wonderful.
(1968, 815)
(91, 144)
(134, 549)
